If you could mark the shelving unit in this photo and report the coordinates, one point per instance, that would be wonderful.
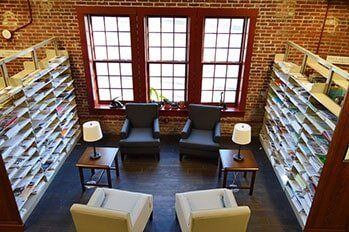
(299, 123)
(39, 125)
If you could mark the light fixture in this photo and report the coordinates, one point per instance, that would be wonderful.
(92, 132)
(6, 34)
(241, 136)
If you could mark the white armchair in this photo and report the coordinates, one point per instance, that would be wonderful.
(211, 210)
(113, 210)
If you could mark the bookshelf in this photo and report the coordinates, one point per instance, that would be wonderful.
(299, 123)
(39, 125)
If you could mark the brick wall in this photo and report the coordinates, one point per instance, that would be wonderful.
(278, 21)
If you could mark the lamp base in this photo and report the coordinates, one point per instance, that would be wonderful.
(95, 156)
(238, 157)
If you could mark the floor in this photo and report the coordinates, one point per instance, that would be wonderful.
(270, 208)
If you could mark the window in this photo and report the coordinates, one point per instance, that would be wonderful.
(112, 59)
(222, 59)
(167, 58)
(177, 54)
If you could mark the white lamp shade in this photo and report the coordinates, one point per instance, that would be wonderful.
(92, 131)
(242, 134)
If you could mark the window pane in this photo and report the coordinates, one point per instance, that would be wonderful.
(104, 94)
(178, 96)
(180, 54)
(167, 54)
(223, 40)
(207, 83)
(114, 69)
(210, 40)
(233, 71)
(217, 96)
(180, 40)
(179, 70)
(124, 39)
(97, 23)
(126, 69)
(231, 84)
(167, 39)
(110, 24)
(206, 96)
(235, 41)
(220, 70)
(99, 38)
(154, 39)
(230, 96)
(167, 24)
(113, 53)
(234, 55)
(167, 94)
(124, 23)
(127, 94)
(102, 68)
(125, 53)
(153, 24)
(115, 82)
(180, 25)
(101, 53)
(237, 25)
(167, 83)
(223, 25)
(154, 69)
(208, 71)
(155, 82)
(209, 55)
(127, 82)
(103, 81)
(210, 25)
(112, 38)
(219, 84)
(167, 70)
(221, 55)
(179, 83)
(116, 93)
(154, 53)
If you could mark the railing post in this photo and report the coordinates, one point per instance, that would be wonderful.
(4, 73)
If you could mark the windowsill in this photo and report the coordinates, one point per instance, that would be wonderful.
(105, 109)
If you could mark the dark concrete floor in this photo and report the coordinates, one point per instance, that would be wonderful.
(270, 208)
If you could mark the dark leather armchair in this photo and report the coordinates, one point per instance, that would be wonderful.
(202, 132)
(140, 133)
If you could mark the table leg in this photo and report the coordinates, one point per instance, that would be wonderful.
(81, 172)
(252, 182)
(245, 174)
(109, 178)
(116, 166)
(224, 178)
(92, 171)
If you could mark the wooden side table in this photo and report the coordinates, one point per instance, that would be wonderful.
(228, 164)
(108, 156)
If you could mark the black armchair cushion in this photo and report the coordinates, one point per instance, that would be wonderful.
(217, 132)
(156, 129)
(140, 137)
(125, 129)
(199, 139)
(204, 117)
(142, 114)
(186, 129)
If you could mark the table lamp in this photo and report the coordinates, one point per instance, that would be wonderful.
(92, 132)
(241, 136)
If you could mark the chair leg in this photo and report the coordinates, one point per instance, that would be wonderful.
(158, 156)
(151, 216)
(180, 156)
(122, 156)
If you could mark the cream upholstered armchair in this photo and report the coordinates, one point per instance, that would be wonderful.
(113, 210)
(211, 210)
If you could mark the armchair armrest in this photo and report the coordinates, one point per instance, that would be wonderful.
(125, 129)
(186, 129)
(156, 129)
(217, 132)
